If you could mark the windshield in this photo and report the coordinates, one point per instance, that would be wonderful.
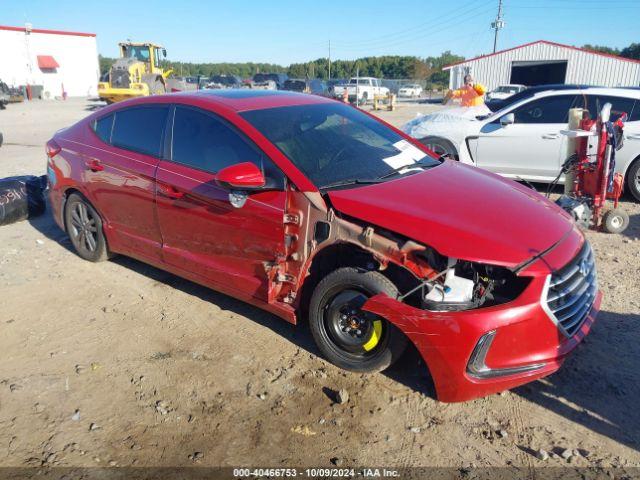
(138, 52)
(333, 142)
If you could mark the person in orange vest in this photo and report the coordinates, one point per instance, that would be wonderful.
(470, 94)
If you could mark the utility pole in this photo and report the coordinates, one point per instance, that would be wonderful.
(329, 59)
(497, 24)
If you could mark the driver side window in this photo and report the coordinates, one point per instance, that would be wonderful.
(202, 140)
(554, 109)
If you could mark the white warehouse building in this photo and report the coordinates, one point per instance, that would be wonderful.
(543, 63)
(55, 60)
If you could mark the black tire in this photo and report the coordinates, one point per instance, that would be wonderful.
(339, 295)
(633, 179)
(440, 147)
(615, 221)
(84, 227)
(1, 139)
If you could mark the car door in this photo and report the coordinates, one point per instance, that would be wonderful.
(619, 105)
(532, 147)
(202, 233)
(120, 171)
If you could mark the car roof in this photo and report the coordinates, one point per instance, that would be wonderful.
(244, 99)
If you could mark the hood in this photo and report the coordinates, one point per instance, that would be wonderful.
(457, 122)
(462, 212)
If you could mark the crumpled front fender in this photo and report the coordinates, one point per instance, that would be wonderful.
(525, 335)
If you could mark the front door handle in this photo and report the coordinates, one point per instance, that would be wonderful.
(551, 136)
(169, 191)
(94, 165)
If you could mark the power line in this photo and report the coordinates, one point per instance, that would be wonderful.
(408, 33)
(497, 25)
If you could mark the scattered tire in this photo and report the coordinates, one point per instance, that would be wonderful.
(615, 221)
(440, 147)
(348, 337)
(633, 179)
(84, 227)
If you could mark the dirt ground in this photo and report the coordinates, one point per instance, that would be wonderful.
(121, 364)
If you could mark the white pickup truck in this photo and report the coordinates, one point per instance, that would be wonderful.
(362, 88)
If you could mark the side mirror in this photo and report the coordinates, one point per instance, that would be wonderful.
(508, 119)
(242, 176)
(238, 179)
(164, 52)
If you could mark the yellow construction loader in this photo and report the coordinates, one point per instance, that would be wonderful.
(137, 73)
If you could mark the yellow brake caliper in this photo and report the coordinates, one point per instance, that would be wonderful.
(375, 336)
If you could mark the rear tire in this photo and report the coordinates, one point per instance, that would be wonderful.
(348, 337)
(633, 179)
(440, 147)
(84, 227)
(615, 221)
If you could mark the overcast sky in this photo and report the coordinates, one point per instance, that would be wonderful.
(287, 31)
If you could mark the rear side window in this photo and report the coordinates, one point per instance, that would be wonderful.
(140, 129)
(554, 109)
(619, 105)
(102, 127)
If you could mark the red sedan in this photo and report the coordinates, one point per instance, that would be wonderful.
(315, 210)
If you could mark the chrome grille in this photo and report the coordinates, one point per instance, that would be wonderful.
(572, 291)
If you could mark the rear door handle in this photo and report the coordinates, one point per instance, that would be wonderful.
(551, 136)
(94, 165)
(169, 191)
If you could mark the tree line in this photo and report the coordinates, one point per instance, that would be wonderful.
(392, 67)
(428, 69)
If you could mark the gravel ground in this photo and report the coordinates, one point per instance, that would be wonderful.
(121, 364)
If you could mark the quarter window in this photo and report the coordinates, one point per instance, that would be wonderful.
(140, 129)
(554, 109)
(102, 127)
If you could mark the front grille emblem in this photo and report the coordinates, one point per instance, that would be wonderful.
(584, 267)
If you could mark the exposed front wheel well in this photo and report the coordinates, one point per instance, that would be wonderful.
(340, 255)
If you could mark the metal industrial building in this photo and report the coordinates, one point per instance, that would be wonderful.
(543, 62)
(57, 61)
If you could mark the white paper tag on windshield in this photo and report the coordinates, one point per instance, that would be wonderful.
(409, 154)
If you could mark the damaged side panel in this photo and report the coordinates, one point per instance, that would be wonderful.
(309, 226)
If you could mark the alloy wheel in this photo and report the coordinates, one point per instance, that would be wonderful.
(83, 229)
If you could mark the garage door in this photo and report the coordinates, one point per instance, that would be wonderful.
(538, 73)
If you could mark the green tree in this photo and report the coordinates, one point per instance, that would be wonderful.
(601, 49)
(632, 51)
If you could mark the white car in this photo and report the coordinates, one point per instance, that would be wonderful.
(523, 140)
(413, 91)
(361, 88)
(505, 91)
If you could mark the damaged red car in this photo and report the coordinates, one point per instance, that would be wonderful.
(316, 211)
